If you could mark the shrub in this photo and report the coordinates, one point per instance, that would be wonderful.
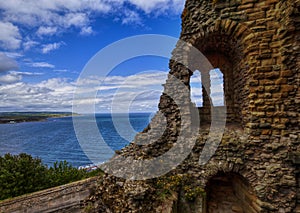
(22, 174)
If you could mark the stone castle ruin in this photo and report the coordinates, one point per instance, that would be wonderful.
(256, 46)
(254, 167)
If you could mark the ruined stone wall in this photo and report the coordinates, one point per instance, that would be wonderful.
(261, 40)
(256, 44)
(66, 198)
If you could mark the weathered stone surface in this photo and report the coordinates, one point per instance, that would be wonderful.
(256, 45)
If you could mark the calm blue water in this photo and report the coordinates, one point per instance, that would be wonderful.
(55, 139)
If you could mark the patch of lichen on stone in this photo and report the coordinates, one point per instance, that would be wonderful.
(167, 185)
(192, 192)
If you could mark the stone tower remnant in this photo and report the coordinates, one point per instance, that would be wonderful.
(255, 168)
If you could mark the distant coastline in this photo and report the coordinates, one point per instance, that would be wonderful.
(19, 117)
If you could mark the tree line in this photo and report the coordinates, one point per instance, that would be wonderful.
(22, 174)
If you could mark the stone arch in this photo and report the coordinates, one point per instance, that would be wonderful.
(211, 95)
(237, 31)
(230, 192)
(216, 167)
(222, 44)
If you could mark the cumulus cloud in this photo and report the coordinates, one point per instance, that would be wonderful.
(138, 92)
(75, 19)
(29, 44)
(33, 13)
(158, 6)
(86, 31)
(10, 37)
(148, 6)
(7, 63)
(130, 17)
(52, 16)
(21, 96)
(57, 93)
(10, 78)
(48, 17)
(46, 31)
(51, 47)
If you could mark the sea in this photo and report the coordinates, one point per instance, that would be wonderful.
(55, 139)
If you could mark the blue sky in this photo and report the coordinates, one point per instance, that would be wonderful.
(45, 44)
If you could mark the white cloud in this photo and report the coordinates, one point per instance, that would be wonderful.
(86, 31)
(148, 6)
(10, 37)
(14, 54)
(57, 14)
(177, 6)
(29, 44)
(54, 14)
(130, 17)
(7, 63)
(41, 65)
(138, 92)
(10, 78)
(53, 94)
(216, 88)
(50, 17)
(46, 31)
(14, 77)
(196, 96)
(75, 19)
(50, 47)
(33, 13)
(57, 93)
(27, 73)
(158, 6)
(196, 77)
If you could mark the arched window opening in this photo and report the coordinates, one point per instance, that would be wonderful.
(217, 87)
(196, 89)
(207, 90)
